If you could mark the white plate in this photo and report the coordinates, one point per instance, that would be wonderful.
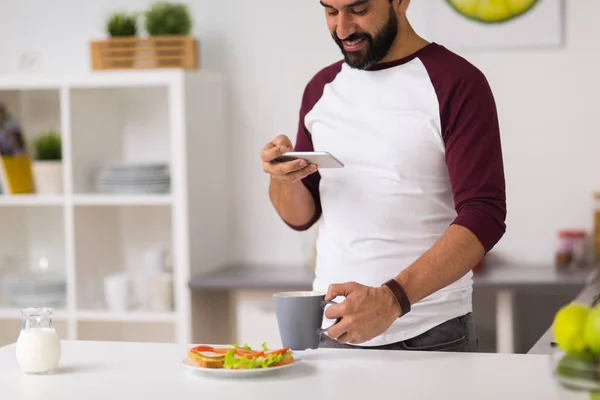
(238, 372)
(139, 166)
(135, 189)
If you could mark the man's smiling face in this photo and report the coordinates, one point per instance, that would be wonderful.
(364, 30)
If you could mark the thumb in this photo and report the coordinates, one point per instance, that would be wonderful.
(284, 141)
(340, 289)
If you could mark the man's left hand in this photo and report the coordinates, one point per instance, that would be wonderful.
(366, 312)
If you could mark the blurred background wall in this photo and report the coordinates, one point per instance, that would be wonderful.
(269, 49)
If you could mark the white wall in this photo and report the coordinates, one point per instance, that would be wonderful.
(270, 48)
(548, 104)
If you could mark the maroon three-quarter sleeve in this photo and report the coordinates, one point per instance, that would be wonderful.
(312, 93)
(471, 134)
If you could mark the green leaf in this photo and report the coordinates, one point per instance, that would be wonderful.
(231, 362)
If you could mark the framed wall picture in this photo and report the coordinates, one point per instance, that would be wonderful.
(495, 24)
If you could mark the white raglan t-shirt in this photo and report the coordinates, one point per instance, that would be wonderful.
(419, 138)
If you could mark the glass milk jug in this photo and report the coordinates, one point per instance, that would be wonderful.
(38, 345)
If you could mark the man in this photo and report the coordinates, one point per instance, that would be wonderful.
(422, 196)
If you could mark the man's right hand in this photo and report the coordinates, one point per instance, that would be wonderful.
(288, 171)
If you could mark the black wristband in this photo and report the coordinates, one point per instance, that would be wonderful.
(399, 294)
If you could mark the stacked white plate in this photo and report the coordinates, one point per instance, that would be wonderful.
(34, 290)
(135, 178)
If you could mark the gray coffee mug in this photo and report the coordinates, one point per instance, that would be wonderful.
(299, 318)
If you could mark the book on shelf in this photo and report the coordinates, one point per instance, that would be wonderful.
(16, 173)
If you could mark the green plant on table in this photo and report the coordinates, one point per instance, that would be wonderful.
(122, 25)
(48, 146)
(166, 18)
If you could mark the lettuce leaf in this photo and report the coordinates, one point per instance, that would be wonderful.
(247, 363)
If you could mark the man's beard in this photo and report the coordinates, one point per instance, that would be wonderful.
(377, 48)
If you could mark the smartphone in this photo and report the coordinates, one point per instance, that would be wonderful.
(323, 159)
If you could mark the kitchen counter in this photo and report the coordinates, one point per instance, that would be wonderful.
(100, 370)
(529, 278)
(586, 296)
(499, 277)
(242, 276)
(250, 288)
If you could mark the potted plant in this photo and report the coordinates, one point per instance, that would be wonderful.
(122, 25)
(47, 165)
(163, 21)
(168, 19)
(168, 43)
(119, 26)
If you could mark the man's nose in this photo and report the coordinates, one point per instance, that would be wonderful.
(345, 26)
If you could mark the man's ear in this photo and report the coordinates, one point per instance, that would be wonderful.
(403, 5)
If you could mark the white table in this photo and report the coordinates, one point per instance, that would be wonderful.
(109, 370)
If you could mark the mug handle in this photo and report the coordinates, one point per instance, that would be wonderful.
(321, 331)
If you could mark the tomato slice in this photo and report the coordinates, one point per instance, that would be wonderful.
(248, 353)
(239, 351)
(199, 349)
(220, 350)
(280, 351)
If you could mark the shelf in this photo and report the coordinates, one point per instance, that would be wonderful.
(86, 200)
(32, 234)
(122, 117)
(134, 124)
(126, 316)
(15, 313)
(100, 315)
(113, 240)
(99, 79)
(34, 110)
(30, 200)
(122, 200)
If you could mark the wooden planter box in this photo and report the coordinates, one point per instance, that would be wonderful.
(144, 53)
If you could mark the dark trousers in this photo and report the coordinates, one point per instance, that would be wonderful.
(457, 334)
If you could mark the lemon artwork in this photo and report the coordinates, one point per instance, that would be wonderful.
(492, 11)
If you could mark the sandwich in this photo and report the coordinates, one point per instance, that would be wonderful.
(238, 357)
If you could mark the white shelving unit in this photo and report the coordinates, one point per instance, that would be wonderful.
(171, 116)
